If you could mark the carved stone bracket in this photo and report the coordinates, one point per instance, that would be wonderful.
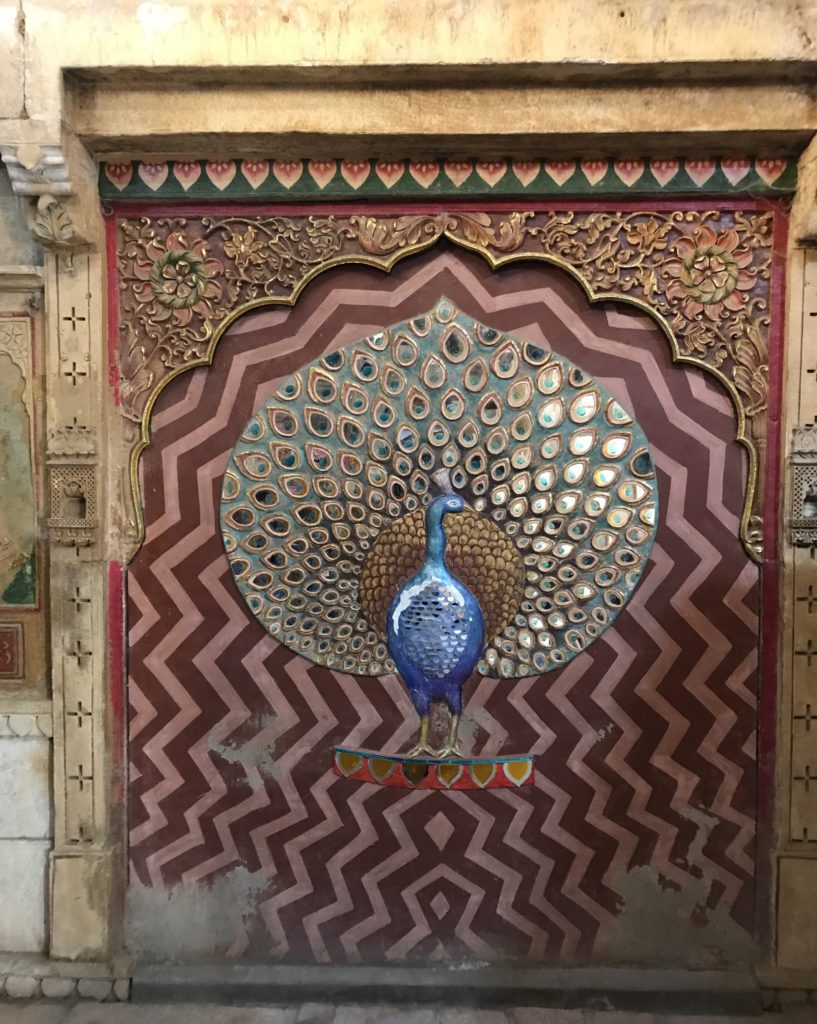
(37, 170)
(60, 181)
(51, 224)
(704, 275)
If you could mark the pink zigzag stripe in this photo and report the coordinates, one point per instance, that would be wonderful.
(325, 721)
(717, 649)
(148, 616)
(368, 833)
(400, 950)
(510, 878)
(185, 403)
(582, 854)
(405, 851)
(201, 752)
(156, 662)
(142, 713)
(570, 933)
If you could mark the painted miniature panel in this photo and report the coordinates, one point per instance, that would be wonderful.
(628, 829)
(18, 517)
(22, 619)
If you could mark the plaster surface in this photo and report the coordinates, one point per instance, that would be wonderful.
(25, 804)
(23, 867)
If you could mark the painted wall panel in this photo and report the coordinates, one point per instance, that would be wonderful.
(635, 841)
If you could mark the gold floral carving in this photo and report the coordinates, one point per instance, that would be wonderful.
(704, 276)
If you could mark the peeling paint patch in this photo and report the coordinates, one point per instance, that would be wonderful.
(255, 754)
(193, 920)
(659, 924)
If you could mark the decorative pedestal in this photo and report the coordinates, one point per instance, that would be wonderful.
(405, 772)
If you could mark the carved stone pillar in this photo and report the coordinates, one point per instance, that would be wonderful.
(65, 218)
(796, 945)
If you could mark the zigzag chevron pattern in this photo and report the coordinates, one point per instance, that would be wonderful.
(644, 743)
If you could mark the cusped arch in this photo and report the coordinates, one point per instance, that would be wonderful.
(502, 239)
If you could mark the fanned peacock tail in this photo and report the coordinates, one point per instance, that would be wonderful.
(323, 494)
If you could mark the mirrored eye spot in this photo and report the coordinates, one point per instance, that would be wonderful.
(239, 566)
(242, 517)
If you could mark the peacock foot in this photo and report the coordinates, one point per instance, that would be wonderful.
(449, 750)
(419, 749)
(422, 745)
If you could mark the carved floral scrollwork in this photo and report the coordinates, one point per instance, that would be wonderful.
(705, 272)
(180, 279)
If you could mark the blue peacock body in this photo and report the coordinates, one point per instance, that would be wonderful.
(435, 629)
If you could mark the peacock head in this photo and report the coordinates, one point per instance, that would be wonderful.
(451, 503)
(447, 501)
(436, 512)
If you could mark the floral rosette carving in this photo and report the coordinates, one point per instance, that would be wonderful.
(710, 275)
(179, 281)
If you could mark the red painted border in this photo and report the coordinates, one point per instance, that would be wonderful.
(770, 570)
(343, 207)
(770, 594)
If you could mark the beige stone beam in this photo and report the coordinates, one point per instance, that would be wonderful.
(428, 41)
(119, 119)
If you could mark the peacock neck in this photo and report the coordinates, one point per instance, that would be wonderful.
(435, 534)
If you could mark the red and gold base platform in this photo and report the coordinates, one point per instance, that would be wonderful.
(507, 772)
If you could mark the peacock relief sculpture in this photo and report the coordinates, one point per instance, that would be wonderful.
(436, 499)
(435, 629)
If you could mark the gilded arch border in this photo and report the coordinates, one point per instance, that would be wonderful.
(704, 275)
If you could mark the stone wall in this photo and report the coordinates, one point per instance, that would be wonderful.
(438, 76)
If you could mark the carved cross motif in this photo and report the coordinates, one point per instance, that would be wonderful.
(808, 717)
(74, 374)
(78, 652)
(74, 319)
(83, 836)
(74, 427)
(810, 597)
(806, 778)
(809, 652)
(80, 713)
(77, 600)
(81, 778)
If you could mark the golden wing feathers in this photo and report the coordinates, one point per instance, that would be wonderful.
(479, 554)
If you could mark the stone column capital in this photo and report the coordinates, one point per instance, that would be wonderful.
(60, 183)
(36, 170)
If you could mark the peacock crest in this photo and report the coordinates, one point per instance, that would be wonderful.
(324, 496)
